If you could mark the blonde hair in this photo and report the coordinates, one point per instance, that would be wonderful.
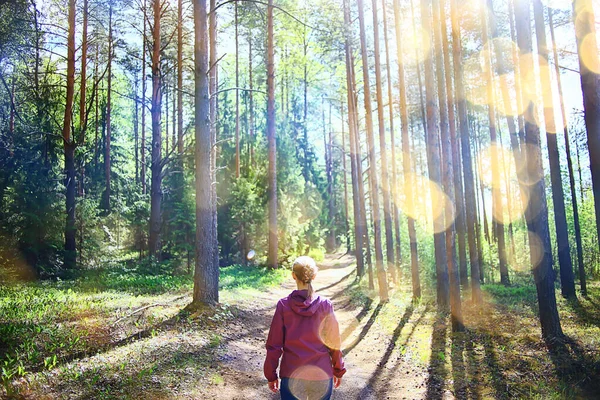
(305, 269)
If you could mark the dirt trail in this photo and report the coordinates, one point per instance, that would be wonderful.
(378, 364)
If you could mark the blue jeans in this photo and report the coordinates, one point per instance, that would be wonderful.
(300, 389)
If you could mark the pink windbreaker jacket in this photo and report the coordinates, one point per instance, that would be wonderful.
(307, 333)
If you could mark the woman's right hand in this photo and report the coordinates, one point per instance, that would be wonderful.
(274, 386)
(337, 382)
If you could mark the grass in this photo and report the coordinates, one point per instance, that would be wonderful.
(45, 325)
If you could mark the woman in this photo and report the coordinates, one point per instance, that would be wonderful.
(305, 330)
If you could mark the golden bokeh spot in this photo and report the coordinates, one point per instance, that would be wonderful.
(415, 44)
(526, 177)
(469, 15)
(536, 249)
(309, 373)
(329, 333)
(588, 50)
(428, 205)
(476, 90)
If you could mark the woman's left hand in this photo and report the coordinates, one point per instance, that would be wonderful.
(274, 386)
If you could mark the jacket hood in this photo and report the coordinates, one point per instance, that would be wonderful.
(302, 305)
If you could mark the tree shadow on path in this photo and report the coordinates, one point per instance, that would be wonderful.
(437, 368)
(364, 330)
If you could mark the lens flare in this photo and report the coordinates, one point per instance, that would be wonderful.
(589, 53)
(251, 254)
(415, 44)
(429, 206)
(329, 333)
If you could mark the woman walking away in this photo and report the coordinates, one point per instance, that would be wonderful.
(306, 331)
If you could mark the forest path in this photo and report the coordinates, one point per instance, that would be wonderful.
(386, 356)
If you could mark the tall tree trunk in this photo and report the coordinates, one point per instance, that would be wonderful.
(381, 274)
(272, 261)
(82, 92)
(577, 227)
(107, 166)
(214, 125)
(589, 67)
(180, 82)
(69, 142)
(345, 180)
(143, 100)
(237, 96)
(385, 179)
(434, 161)
(567, 281)
(250, 100)
(409, 182)
(394, 183)
(497, 205)
(355, 154)
(154, 244)
(458, 186)
(447, 176)
(206, 271)
(330, 242)
(136, 139)
(465, 148)
(536, 213)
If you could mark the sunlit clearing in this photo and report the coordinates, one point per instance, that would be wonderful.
(565, 5)
(589, 53)
(328, 332)
(428, 205)
(506, 184)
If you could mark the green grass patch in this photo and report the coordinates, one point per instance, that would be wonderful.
(242, 277)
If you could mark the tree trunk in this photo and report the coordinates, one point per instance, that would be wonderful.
(497, 205)
(355, 154)
(381, 274)
(393, 186)
(143, 100)
(272, 261)
(180, 83)
(536, 213)
(250, 100)
(589, 65)
(458, 187)
(577, 228)
(447, 176)
(206, 271)
(385, 180)
(406, 159)
(345, 181)
(465, 148)
(237, 96)
(567, 281)
(82, 91)
(154, 244)
(214, 128)
(69, 143)
(107, 166)
(330, 242)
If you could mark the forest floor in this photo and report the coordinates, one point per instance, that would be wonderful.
(147, 346)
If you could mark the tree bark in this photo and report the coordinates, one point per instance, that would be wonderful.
(237, 96)
(143, 100)
(272, 260)
(70, 258)
(465, 148)
(385, 179)
(409, 182)
(394, 183)
(108, 134)
(447, 176)
(574, 202)
(497, 204)
(590, 85)
(206, 271)
(355, 154)
(567, 281)
(434, 162)
(180, 82)
(381, 274)
(154, 244)
(536, 213)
